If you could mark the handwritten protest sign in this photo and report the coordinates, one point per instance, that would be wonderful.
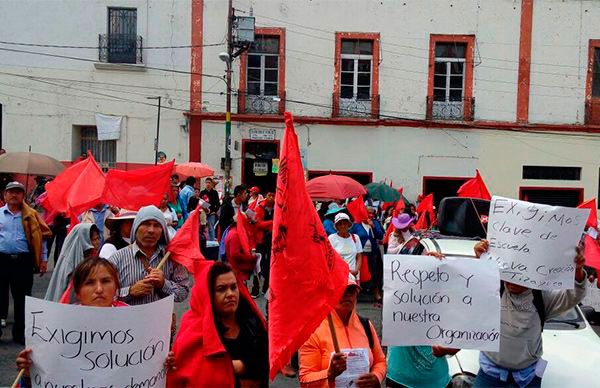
(78, 346)
(453, 302)
(533, 244)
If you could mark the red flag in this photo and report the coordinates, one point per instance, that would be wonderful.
(245, 233)
(73, 220)
(358, 210)
(298, 234)
(592, 221)
(426, 213)
(137, 188)
(474, 188)
(77, 188)
(591, 252)
(185, 246)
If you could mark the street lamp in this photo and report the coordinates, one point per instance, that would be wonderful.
(157, 129)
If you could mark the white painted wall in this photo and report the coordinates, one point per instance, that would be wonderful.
(43, 115)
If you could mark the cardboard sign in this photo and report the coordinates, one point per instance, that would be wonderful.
(79, 346)
(454, 302)
(533, 244)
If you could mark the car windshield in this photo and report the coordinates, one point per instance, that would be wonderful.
(569, 320)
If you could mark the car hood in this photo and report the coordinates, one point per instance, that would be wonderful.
(572, 357)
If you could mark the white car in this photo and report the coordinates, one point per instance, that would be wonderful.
(571, 346)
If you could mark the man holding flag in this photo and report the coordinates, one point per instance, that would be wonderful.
(141, 281)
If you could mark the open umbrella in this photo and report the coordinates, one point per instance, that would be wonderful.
(382, 192)
(333, 187)
(30, 163)
(195, 169)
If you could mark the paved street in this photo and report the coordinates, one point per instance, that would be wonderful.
(9, 349)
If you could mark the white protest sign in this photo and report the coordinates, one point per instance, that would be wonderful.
(533, 244)
(454, 302)
(592, 295)
(79, 346)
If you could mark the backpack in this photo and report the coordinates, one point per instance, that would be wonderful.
(538, 303)
(364, 321)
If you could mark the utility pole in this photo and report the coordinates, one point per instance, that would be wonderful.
(157, 129)
(230, 16)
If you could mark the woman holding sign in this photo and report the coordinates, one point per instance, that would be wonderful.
(223, 339)
(523, 313)
(359, 363)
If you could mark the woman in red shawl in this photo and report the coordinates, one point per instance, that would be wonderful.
(223, 339)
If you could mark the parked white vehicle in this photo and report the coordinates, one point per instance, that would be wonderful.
(571, 346)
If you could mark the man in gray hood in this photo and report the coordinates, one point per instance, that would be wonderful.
(523, 314)
(136, 264)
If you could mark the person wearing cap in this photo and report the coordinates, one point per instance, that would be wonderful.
(161, 158)
(120, 231)
(318, 368)
(22, 250)
(329, 217)
(141, 282)
(347, 244)
(402, 233)
(98, 215)
(255, 198)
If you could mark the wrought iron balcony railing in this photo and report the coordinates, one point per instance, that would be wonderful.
(120, 48)
(461, 110)
(354, 107)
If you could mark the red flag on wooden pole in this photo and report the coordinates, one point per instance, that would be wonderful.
(185, 246)
(592, 221)
(299, 242)
(591, 252)
(474, 188)
(426, 213)
(358, 210)
(136, 188)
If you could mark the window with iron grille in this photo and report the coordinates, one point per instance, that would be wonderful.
(105, 151)
(449, 76)
(121, 40)
(357, 63)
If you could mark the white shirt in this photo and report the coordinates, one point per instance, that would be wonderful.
(347, 247)
(108, 249)
(170, 217)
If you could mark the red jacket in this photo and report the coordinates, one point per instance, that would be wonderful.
(200, 357)
(261, 226)
(239, 255)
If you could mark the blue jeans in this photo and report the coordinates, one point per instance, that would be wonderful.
(212, 220)
(484, 380)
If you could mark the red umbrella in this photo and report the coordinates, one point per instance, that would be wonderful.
(195, 169)
(334, 187)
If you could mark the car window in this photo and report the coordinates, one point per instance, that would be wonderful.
(569, 320)
(412, 247)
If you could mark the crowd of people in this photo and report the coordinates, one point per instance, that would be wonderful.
(110, 259)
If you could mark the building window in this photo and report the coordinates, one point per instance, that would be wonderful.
(105, 152)
(552, 173)
(553, 196)
(592, 99)
(121, 44)
(357, 75)
(450, 78)
(262, 75)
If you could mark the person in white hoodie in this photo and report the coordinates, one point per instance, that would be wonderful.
(523, 313)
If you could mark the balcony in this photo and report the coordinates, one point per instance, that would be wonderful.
(460, 110)
(120, 48)
(354, 107)
(262, 105)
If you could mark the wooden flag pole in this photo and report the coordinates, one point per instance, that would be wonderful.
(15, 384)
(336, 345)
(164, 260)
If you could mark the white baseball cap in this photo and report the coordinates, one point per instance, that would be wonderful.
(341, 216)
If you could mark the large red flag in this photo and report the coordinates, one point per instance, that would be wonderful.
(591, 252)
(592, 221)
(474, 188)
(304, 266)
(358, 210)
(245, 233)
(185, 246)
(426, 213)
(77, 188)
(136, 188)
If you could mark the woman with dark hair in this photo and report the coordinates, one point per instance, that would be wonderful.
(120, 231)
(82, 242)
(223, 339)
